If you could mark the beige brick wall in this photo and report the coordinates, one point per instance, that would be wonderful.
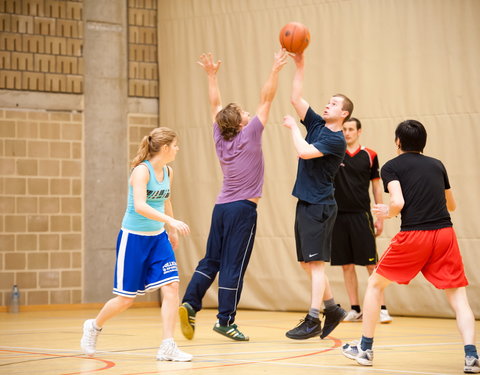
(41, 45)
(41, 151)
(142, 49)
(139, 125)
(41, 205)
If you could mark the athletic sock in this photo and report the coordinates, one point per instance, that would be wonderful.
(366, 343)
(314, 313)
(329, 304)
(383, 307)
(356, 308)
(470, 351)
(96, 327)
(168, 341)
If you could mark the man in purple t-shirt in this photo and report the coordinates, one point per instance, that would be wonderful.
(238, 142)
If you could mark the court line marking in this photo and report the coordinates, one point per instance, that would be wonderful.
(240, 361)
(355, 368)
(107, 364)
(221, 354)
(276, 361)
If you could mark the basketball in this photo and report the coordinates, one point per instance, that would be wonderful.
(294, 37)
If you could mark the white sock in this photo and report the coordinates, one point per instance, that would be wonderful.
(168, 341)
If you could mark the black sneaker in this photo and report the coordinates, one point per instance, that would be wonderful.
(333, 317)
(308, 327)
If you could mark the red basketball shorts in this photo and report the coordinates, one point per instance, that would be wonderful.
(435, 253)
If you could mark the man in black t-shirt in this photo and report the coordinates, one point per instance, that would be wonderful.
(420, 190)
(354, 232)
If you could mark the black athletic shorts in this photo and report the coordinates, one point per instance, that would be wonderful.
(353, 239)
(313, 231)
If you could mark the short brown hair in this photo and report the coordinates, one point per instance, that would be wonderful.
(229, 119)
(347, 105)
(356, 121)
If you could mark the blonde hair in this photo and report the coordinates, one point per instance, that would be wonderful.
(152, 144)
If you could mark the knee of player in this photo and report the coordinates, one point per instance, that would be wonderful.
(125, 301)
(171, 289)
(209, 265)
(348, 267)
(376, 282)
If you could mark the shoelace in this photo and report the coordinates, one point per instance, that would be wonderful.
(171, 349)
(300, 323)
(92, 336)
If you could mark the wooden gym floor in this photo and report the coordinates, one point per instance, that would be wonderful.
(47, 342)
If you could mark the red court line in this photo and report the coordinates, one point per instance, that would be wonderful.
(336, 344)
(108, 364)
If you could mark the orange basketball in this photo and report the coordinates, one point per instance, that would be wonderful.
(294, 37)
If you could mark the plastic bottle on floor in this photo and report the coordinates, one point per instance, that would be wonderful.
(14, 306)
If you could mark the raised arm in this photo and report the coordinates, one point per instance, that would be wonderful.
(303, 148)
(269, 89)
(300, 104)
(211, 68)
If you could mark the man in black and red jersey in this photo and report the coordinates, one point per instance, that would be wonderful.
(354, 232)
(419, 189)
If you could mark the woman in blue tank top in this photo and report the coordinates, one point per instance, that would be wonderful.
(145, 258)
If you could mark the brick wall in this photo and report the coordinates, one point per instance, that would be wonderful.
(41, 44)
(41, 161)
(139, 125)
(41, 206)
(142, 49)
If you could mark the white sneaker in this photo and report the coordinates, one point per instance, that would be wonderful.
(385, 317)
(169, 351)
(472, 365)
(353, 351)
(353, 316)
(88, 343)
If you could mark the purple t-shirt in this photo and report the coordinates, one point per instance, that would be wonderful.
(241, 160)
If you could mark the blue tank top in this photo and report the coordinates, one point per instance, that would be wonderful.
(157, 193)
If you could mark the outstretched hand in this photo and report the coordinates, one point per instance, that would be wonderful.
(289, 122)
(207, 63)
(280, 59)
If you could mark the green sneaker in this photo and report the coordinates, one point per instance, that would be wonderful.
(230, 331)
(187, 320)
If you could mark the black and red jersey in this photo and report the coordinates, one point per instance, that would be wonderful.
(353, 178)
